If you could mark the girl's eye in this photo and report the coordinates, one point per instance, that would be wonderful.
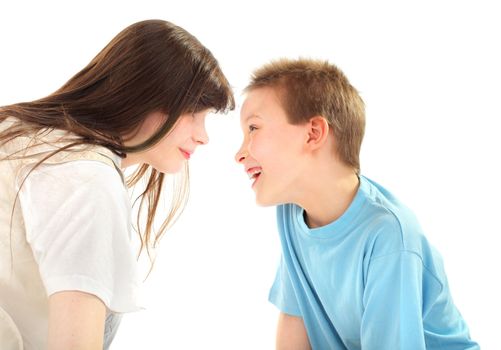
(252, 128)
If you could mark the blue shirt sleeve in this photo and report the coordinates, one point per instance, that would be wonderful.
(282, 292)
(393, 302)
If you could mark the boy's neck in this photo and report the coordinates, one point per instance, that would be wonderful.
(327, 197)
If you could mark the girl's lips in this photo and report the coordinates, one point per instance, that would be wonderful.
(185, 153)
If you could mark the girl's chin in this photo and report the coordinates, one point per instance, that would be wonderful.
(169, 168)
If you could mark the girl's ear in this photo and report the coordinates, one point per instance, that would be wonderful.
(318, 131)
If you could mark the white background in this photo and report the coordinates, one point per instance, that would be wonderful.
(429, 72)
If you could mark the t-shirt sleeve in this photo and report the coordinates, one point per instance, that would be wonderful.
(77, 218)
(393, 302)
(282, 292)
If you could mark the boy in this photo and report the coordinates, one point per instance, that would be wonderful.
(356, 271)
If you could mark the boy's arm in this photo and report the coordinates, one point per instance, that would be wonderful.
(291, 333)
(393, 303)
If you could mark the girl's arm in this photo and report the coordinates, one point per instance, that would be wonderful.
(76, 321)
(291, 333)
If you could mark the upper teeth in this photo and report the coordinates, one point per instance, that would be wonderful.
(253, 173)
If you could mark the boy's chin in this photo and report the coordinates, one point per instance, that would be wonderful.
(266, 202)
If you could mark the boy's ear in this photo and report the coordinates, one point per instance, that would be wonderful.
(318, 131)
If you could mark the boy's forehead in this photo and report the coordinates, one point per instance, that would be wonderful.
(258, 100)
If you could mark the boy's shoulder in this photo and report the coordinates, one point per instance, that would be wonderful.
(376, 220)
(392, 226)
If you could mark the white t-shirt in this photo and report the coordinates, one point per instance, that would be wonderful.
(78, 222)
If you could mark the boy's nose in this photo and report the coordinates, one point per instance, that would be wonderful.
(240, 156)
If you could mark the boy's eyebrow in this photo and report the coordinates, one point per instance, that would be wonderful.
(252, 116)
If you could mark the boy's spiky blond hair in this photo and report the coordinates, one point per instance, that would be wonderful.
(308, 88)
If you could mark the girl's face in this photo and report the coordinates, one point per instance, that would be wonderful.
(170, 153)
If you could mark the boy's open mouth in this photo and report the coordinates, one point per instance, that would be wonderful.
(254, 174)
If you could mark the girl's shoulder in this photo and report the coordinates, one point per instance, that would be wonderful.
(51, 146)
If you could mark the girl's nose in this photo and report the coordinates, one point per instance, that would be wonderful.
(201, 136)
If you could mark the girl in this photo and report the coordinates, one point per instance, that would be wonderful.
(67, 267)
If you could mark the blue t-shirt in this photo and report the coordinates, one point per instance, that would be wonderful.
(369, 280)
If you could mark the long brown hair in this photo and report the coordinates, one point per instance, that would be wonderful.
(150, 66)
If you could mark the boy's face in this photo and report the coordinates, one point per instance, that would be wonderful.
(272, 151)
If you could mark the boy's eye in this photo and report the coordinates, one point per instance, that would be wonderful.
(252, 128)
